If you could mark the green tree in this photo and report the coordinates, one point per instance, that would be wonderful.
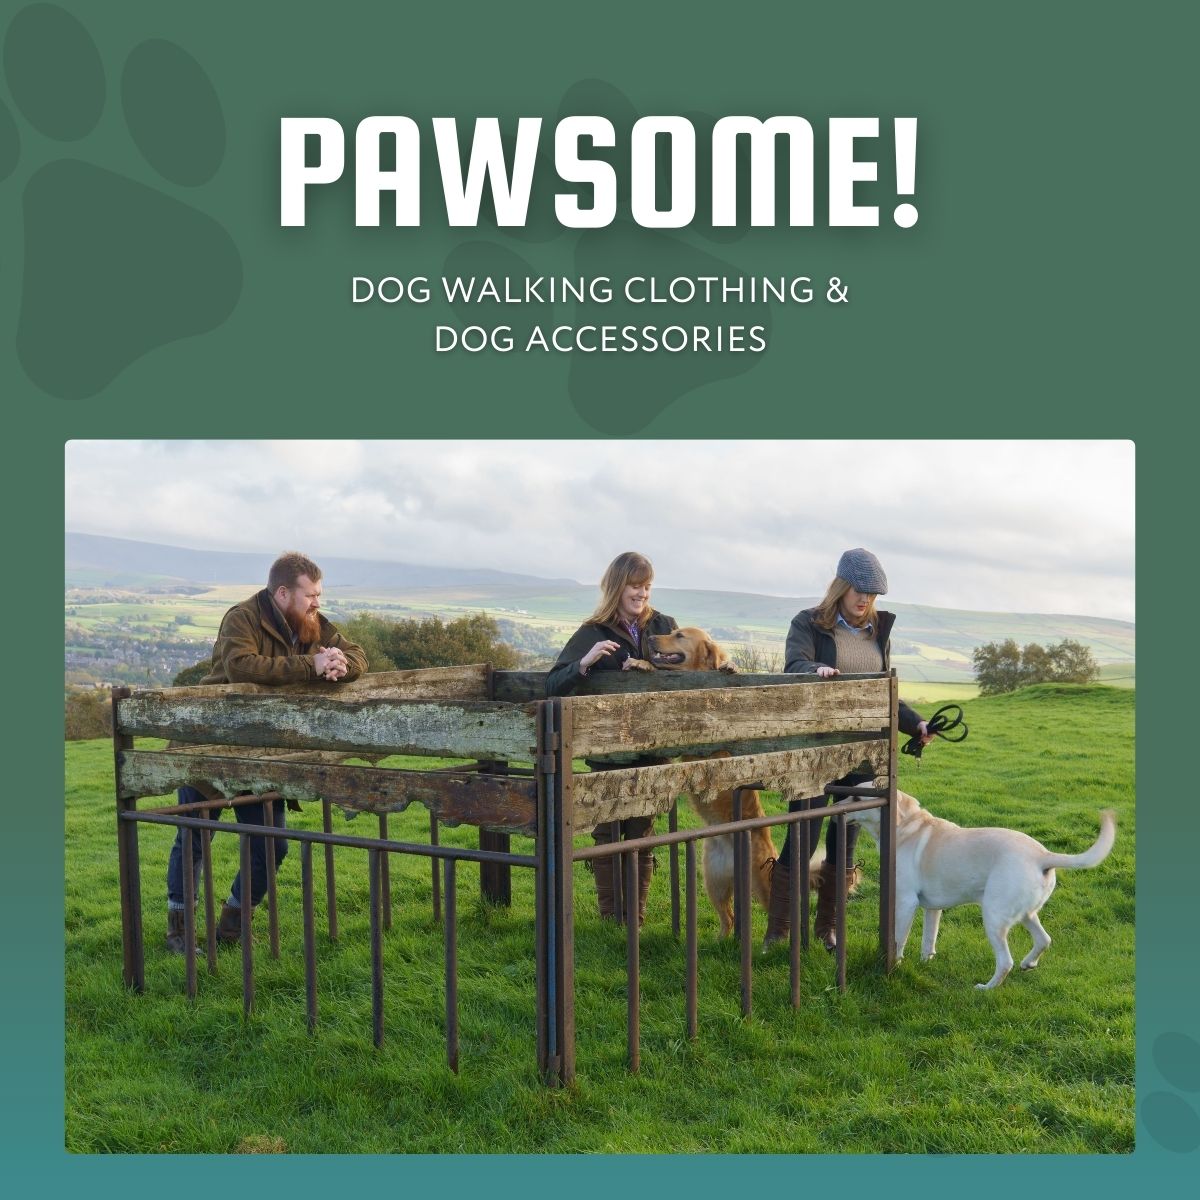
(87, 715)
(430, 642)
(1004, 666)
(193, 674)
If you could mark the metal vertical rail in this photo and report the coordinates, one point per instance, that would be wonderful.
(690, 900)
(127, 861)
(451, 966)
(310, 937)
(673, 827)
(633, 975)
(330, 891)
(805, 828)
(385, 874)
(189, 915)
(840, 916)
(376, 949)
(741, 845)
(437, 879)
(887, 839)
(495, 879)
(210, 896)
(564, 917)
(797, 911)
(546, 915)
(617, 867)
(268, 809)
(247, 897)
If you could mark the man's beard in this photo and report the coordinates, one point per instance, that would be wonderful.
(306, 627)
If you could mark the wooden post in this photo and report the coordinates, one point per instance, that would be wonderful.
(127, 861)
(495, 879)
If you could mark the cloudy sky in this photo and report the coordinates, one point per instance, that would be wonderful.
(1018, 526)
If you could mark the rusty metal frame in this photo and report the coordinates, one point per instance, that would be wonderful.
(552, 862)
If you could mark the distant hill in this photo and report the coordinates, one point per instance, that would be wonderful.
(93, 561)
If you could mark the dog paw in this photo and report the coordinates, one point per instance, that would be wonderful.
(727, 669)
(114, 268)
(636, 664)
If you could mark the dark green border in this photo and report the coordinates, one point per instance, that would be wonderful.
(1047, 295)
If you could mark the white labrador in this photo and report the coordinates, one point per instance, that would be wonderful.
(940, 864)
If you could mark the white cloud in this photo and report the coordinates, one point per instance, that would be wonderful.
(1016, 526)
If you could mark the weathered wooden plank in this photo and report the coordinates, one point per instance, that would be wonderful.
(451, 728)
(490, 801)
(607, 724)
(756, 746)
(429, 683)
(520, 686)
(641, 791)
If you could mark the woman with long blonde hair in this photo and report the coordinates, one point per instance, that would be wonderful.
(615, 638)
(844, 634)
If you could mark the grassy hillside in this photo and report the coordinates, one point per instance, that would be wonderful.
(918, 1061)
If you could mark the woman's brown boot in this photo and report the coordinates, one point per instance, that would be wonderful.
(779, 921)
(824, 922)
(603, 868)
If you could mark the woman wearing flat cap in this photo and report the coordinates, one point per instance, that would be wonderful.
(845, 633)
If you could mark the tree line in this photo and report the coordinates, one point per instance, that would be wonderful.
(1005, 666)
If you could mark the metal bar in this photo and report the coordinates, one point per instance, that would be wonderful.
(632, 965)
(804, 829)
(617, 866)
(310, 935)
(549, 1062)
(385, 874)
(189, 915)
(247, 937)
(860, 790)
(673, 827)
(208, 805)
(736, 843)
(376, 950)
(742, 844)
(451, 967)
(495, 879)
(564, 932)
(685, 835)
(840, 918)
(798, 932)
(210, 900)
(127, 861)
(330, 890)
(541, 937)
(437, 883)
(272, 887)
(305, 835)
(690, 900)
(887, 843)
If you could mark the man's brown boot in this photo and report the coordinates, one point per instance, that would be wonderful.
(229, 928)
(779, 916)
(176, 937)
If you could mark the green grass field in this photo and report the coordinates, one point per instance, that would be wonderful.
(915, 1062)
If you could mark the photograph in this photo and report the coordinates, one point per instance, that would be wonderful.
(474, 672)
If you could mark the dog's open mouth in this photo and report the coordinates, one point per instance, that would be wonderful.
(663, 659)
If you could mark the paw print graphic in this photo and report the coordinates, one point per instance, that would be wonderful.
(112, 267)
(1170, 1119)
(618, 393)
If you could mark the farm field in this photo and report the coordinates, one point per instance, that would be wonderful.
(911, 1063)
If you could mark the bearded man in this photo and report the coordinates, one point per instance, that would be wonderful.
(277, 636)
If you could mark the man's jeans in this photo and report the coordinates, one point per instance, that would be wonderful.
(247, 814)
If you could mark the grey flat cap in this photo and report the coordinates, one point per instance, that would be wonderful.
(863, 572)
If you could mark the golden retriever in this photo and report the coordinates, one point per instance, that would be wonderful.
(940, 865)
(691, 649)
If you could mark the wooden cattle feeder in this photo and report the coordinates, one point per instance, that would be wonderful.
(793, 734)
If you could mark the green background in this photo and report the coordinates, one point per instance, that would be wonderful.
(1045, 293)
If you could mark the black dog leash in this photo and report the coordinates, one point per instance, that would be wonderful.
(949, 716)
